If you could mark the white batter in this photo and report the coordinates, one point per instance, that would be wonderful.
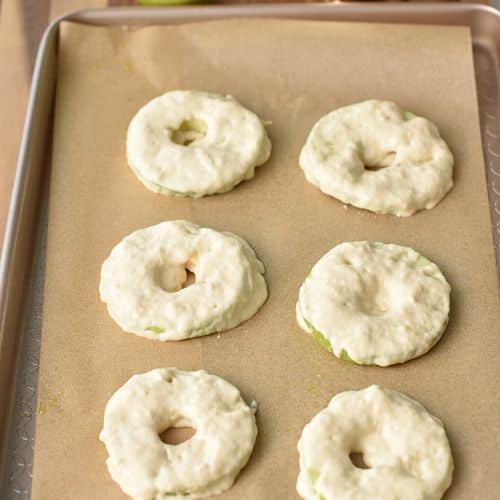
(142, 280)
(404, 446)
(374, 303)
(189, 143)
(207, 464)
(373, 155)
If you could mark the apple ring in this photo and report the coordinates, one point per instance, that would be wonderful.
(189, 143)
(207, 464)
(374, 303)
(404, 447)
(142, 281)
(375, 156)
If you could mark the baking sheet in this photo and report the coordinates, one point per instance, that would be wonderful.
(290, 72)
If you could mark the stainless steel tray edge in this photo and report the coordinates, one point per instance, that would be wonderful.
(15, 260)
(22, 259)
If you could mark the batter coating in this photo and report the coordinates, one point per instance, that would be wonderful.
(374, 155)
(142, 280)
(404, 446)
(374, 303)
(189, 143)
(207, 464)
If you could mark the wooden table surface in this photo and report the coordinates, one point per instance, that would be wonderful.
(21, 25)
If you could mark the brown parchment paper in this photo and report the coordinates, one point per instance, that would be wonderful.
(289, 72)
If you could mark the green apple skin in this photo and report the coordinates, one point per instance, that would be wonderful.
(326, 343)
(313, 477)
(156, 329)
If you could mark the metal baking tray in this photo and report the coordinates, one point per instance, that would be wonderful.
(23, 255)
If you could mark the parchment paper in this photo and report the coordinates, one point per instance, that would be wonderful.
(289, 72)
